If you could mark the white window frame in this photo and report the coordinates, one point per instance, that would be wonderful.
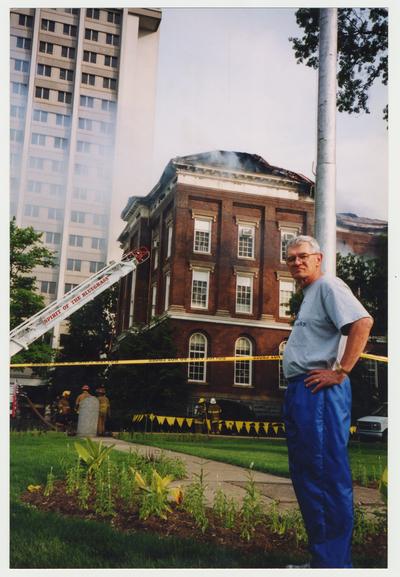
(282, 382)
(247, 363)
(153, 300)
(284, 284)
(76, 240)
(195, 353)
(48, 287)
(201, 224)
(74, 264)
(246, 281)
(167, 285)
(78, 216)
(155, 253)
(287, 234)
(169, 240)
(132, 299)
(53, 237)
(203, 276)
(252, 227)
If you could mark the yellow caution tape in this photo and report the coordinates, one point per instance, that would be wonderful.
(240, 426)
(374, 357)
(170, 361)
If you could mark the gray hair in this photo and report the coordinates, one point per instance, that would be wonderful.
(304, 238)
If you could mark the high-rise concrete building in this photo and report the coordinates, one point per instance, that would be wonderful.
(82, 116)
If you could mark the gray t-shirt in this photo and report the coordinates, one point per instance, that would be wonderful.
(327, 307)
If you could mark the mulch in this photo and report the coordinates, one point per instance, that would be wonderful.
(181, 525)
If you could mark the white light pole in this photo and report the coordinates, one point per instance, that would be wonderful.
(325, 195)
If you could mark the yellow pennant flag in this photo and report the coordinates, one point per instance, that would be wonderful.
(266, 427)
(247, 424)
(275, 427)
(189, 422)
(229, 424)
(180, 421)
(257, 427)
(160, 420)
(152, 417)
(239, 425)
(353, 429)
(170, 421)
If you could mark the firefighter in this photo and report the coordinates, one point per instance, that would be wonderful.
(200, 416)
(63, 416)
(84, 394)
(214, 413)
(104, 411)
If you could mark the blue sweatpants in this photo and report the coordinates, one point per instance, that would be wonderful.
(317, 431)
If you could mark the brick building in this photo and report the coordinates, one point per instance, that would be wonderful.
(217, 224)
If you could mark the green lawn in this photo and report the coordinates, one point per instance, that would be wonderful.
(367, 460)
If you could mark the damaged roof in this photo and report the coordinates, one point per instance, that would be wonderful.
(225, 160)
(351, 221)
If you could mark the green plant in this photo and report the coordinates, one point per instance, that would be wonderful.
(383, 484)
(156, 495)
(368, 523)
(284, 522)
(225, 509)
(126, 488)
(73, 477)
(93, 455)
(49, 488)
(252, 511)
(104, 502)
(84, 492)
(194, 501)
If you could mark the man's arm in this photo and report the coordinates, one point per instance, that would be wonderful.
(356, 341)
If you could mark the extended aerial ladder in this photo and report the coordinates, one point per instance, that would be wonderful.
(34, 327)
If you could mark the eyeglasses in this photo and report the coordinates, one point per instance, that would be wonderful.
(304, 256)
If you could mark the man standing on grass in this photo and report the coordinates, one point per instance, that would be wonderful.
(317, 406)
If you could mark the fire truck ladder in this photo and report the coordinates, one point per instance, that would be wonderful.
(34, 327)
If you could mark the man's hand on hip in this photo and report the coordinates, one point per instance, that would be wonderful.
(321, 378)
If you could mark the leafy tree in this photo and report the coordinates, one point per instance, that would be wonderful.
(147, 388)
(368, 279)
(26, 253)
(89, 336)
(362, 52)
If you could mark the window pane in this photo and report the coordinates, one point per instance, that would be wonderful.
(197, 350)
(246, 241)
(243, 347)
(244, 290)
(200, 289)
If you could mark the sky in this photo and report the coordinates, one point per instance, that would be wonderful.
(228, 80)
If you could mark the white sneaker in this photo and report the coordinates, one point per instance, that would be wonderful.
(305, 566)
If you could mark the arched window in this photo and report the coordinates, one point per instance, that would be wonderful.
(197, 350)
(282, 380)
(243, 369)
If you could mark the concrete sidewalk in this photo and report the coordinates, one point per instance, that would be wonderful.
(232, 479)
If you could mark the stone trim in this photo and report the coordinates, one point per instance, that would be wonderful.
(283, 275)
(205, 214)
(287, 224)
(249, 271)
(195, 264)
